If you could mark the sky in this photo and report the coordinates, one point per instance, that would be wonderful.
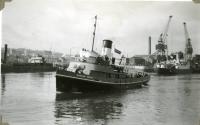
(64, 25)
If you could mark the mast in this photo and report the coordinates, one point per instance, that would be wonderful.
(94, 32)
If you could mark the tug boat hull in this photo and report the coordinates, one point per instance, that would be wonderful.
(70, 83)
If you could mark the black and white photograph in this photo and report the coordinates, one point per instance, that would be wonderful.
(100, 62)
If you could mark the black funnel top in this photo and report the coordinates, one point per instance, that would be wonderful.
(107, 44)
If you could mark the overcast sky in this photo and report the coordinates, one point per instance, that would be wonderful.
(59, 25)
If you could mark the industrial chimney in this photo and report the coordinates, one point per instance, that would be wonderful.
(106, 49)
(149, 45)
(5, 54)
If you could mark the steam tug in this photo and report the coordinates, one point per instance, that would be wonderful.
(93, 71)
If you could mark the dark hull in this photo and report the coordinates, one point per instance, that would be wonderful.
(183, 71)
(23, 68)
(196, 71)
(68, 84)
(165, 71)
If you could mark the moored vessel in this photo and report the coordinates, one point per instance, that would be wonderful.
(176, 63)
(35, 64)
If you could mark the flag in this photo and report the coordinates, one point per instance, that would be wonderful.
(117, 51)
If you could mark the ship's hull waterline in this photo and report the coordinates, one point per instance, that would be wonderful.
(69, 84)
(166, 71)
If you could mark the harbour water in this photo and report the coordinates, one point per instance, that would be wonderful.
(31, 99)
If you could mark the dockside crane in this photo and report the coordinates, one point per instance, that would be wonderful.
(188, 44)
(161, 47)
